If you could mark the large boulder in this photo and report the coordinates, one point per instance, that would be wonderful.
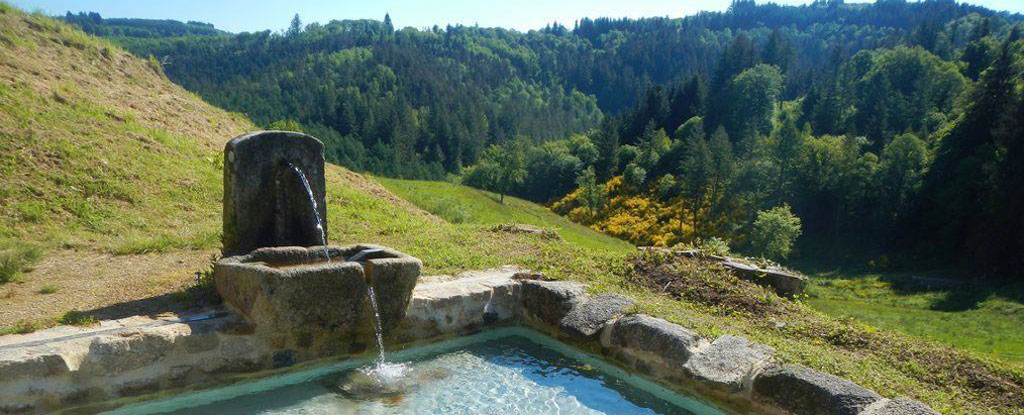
(784, 282)
(803, 391)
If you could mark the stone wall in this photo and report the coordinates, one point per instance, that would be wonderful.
(60, 369)
(65, 366)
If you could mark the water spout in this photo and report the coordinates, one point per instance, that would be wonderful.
(316, 210)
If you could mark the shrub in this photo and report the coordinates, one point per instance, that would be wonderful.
(635, 176)
(713, 246)
(21, 327)
(286, 125)
(774, 231)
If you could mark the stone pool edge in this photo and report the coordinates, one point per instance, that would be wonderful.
(73, 369)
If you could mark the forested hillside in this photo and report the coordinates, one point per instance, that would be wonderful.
(880, 130)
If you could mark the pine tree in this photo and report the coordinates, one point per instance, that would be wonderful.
(388, 27)
(697, 169)
(295, 27)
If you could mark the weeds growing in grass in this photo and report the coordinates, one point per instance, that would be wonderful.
(48, 289)
(21, 327)
(16, 259)
(201, 291)
(149, 244)
(76, 318)
(451, 210)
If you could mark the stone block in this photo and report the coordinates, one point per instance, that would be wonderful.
(31, 363)
(288, 290)
(727, 362)
(668, 341)
(393, 276)
(474, 300)
(122, 352)
(803, 391)
(588, 318)
(16, 408)
(551, 301)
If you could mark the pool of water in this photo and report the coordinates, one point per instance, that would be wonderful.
(505, 371)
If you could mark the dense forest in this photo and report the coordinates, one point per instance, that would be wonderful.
(886, 130)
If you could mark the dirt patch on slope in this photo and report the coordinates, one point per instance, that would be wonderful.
(102, 285)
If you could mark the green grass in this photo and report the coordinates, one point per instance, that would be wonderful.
(76, 318)
(983, 319)
(357, 215)
(48, 289)
(463, 204)
(90, 161)
(106, 192)
(21, 327)
(15, 259)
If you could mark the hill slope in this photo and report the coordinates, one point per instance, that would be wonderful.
(111, 174)
(91, 136)
(463, 204)
(99, 155)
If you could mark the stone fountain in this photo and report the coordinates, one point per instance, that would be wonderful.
(278, 271)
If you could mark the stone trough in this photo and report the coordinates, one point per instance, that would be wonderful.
(296, 297)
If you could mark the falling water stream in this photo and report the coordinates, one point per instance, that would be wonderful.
(316, 210)
(382, 372)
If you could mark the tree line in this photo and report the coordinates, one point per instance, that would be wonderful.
(881, 128)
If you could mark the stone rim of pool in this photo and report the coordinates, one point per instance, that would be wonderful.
(307, 373)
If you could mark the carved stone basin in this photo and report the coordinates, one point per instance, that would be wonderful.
(294, 294)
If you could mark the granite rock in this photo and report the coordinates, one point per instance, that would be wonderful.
(807, 392)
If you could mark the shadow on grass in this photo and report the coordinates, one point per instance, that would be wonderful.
(959, 292)
(176, 302)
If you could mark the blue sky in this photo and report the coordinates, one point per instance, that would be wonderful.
(255, 15)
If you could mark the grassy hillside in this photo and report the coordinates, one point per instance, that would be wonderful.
(97, 149)
(110, 187)
(109, 173)
(463, 204)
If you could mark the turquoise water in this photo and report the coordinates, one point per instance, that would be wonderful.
(506, 371)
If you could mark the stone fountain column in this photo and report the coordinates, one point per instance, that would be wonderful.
(265, 202)
(297, 296)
